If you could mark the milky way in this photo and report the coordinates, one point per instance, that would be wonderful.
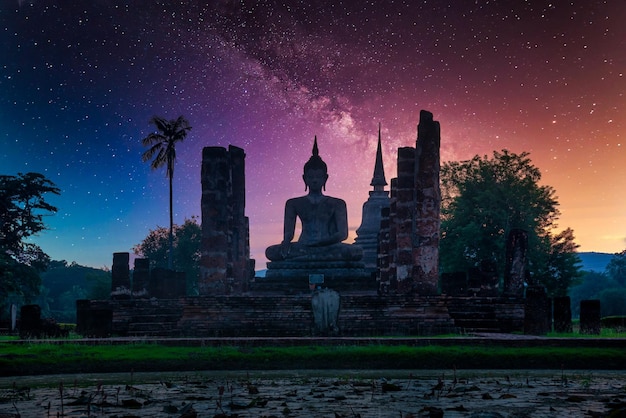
(79, 83)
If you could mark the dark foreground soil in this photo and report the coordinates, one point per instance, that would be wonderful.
(330, 393)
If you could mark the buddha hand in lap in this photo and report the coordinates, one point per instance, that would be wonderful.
(324, 222)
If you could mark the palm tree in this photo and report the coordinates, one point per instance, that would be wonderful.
(163, 148)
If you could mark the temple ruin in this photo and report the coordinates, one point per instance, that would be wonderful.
(397, 290)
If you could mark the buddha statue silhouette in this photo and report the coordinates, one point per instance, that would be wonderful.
(324, 221)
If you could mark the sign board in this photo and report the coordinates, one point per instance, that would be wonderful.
(316, 279)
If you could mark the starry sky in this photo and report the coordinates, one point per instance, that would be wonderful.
(79, 82)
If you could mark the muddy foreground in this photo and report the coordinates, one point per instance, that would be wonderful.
(339, 393)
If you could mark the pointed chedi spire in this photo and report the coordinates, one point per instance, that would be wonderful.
(367, 233)
(378, 180)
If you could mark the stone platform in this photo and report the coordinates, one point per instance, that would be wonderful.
(361, 314)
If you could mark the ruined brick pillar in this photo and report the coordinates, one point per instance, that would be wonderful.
(225, 259)
(413, 248)
(30, 321)
(404, 221)
(240, 235)
(537, 311)
(590, 316)
(141, 278)
(427, 206)
(515, 268)
(393, 230)
(120, 276)
(562, 314)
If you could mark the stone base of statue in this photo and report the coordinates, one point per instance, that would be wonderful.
(338, 267)
(295, 277)
(332, 268)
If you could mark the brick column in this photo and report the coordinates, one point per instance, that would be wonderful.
(427, 206)
(240, 236)
(404, 221)
(515, 270)
(120, 276)
(536, 311)
(225, 265)
(590, 316)
(141, 278)
(562, 314)
(216, 187)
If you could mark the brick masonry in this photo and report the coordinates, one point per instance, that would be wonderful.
(291, 315)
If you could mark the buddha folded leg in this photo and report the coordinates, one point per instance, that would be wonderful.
(298, 252)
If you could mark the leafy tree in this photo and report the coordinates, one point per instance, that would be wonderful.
(556, 264)
(613, 301)
(186, 249)
(616, 269)
(67, 303)
(162, 147)
(590, 286)
(99, 284)
(609, 287)
(62, 284)
(22, 208)
(484, 198)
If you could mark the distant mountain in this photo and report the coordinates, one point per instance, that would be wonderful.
(593, 261)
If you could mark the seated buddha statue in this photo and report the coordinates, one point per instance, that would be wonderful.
(324, 222)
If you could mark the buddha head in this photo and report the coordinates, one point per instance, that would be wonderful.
(315, 171)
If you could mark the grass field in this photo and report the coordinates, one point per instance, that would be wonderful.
(70, 357)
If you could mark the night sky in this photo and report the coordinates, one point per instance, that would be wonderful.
(78, 84)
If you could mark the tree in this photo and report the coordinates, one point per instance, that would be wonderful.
(63, 283)
(609, 287)
(613, 301)
(485, 198)
(22, 208)
(162, 147)
(592, 283)
(556, 264)
(616, 269)
(186, 249)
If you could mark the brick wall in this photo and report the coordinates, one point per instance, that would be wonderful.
(291, 315)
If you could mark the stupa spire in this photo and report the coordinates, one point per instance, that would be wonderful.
(378, 180)
(367, 233)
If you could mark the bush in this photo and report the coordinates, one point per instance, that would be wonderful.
(615, 322)
(613, 301)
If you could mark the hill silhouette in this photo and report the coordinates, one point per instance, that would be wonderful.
(593, 261)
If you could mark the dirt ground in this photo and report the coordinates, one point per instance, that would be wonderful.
(337, 393)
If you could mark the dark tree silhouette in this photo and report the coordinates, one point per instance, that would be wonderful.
(186, 250)
(22, 210)
(486, 197)
(162, 147)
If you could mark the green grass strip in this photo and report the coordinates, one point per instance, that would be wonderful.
(42, 358)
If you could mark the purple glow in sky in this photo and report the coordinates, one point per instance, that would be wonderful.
(79, 82)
